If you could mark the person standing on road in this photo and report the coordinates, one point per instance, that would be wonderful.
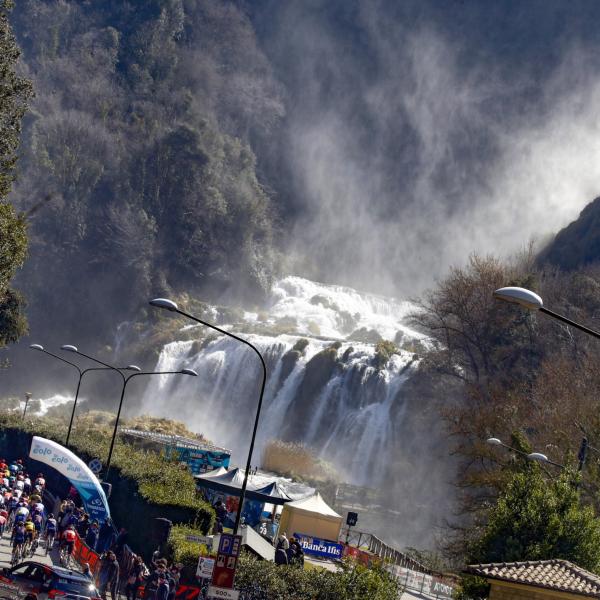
(162, 591)
(109, 575)
(134, 578)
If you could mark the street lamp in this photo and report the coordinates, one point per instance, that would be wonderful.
(172, 307)
(75, 350)
(81, 372)
(27, 399)
(531, 301)
(126, 380)
(538, 456)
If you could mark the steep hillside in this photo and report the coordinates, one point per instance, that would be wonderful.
(578, 244)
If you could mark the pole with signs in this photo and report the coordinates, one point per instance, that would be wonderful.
(351, 521)
(224, 568)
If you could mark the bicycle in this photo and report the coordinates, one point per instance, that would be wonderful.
(65, 556)
(17, 554)
(34, 546)
(49, 542)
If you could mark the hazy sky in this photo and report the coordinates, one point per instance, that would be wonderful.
(418, 133)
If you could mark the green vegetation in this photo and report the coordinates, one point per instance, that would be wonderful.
(185, 552)
(383, 352)
(353, 582)
(140, 138)
(536, 519)
(15, 93)
(508, 373)
(145, 485)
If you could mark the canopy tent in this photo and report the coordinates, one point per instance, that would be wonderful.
(214, 472)
(312, 517)
(230, 483)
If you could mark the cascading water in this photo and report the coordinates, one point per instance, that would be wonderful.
(326, 387)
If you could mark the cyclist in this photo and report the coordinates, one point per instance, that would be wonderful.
(67, 544)
(40, 481)
(18, 540)
(38, 519)
(50, 531)
(29, 530)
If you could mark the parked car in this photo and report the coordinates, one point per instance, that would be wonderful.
(32, 580)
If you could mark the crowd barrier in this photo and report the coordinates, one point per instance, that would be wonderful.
(82, 553)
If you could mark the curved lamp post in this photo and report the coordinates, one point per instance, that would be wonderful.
(531, 301)
(537, 456)
(126, 380)
(172, 307)
(81, 372)
(75, 350)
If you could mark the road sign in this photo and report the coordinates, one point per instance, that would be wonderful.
(205, 568)
(230, 544)
(95, 465)
(200, 539)
(222, 593)
(352, 519)
(224, 571)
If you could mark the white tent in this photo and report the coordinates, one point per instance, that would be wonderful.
(310, 516)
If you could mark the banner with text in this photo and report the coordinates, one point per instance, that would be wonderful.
(76, 471)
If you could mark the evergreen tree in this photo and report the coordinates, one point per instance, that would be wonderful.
(15, 91)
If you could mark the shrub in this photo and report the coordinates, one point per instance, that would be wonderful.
(145, 484)
(259, 580)
(383, 352)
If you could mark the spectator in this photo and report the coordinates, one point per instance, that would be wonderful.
(83, 525)
(280, 556)
(109, 575)
(162, 591)
(160, 568)
(91, 538)
(134, 578)
(283, 542)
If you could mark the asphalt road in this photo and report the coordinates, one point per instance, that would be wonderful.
(40, 555)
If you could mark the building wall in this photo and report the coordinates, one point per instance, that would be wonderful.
(508, 591)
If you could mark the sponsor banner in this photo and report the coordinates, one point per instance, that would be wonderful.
(76, 471)
(199, 461)
(322, 548)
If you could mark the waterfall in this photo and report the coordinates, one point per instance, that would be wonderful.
(327, 392)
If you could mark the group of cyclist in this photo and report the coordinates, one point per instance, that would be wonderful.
(24, 514)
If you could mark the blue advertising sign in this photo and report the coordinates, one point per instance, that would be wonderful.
(322, 548)
(76, 471)
(199, 460)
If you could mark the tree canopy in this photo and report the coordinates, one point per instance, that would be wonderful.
(15, 91)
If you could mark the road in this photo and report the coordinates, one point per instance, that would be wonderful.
(40, 555)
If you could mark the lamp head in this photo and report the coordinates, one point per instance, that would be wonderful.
(189, 372)
(537, 456)
(525, 298)
(164, 303)
(494, 441)
(132, 368)
(37, 347)
(69, 348)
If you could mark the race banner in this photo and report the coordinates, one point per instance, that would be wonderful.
(76, 471)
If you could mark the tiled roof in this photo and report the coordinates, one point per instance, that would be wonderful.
(556, 574)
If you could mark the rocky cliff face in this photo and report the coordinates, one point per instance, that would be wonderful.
(578, 244)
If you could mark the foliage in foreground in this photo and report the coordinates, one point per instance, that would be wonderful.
(158, 481)
(537, 519)
(267, 581)
(15, 92)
